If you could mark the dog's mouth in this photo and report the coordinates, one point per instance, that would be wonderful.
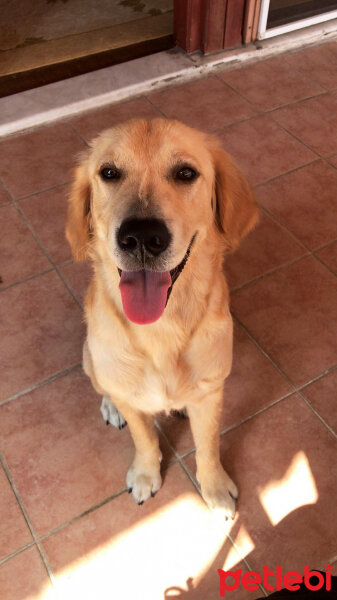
(145, 293)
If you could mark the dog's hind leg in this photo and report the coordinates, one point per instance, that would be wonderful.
(110, 414)
(182, 413)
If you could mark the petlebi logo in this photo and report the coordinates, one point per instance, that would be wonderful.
(274, 580)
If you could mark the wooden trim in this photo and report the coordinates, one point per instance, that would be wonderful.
(234, 23)
(256, 20)
(200, 24)
(249, 21)
(188, 24)
(214, 15)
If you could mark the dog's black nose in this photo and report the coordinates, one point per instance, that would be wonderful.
(137, 235)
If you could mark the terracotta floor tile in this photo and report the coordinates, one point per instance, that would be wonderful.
(47, 213)
(293, 315)
(25, 577)
(263, 149)
(286, 507)
(36, 161)
(91, 123)
(329, 256)
(4, 198)
(253, 384)
(312, 121)
(322, 395)
(41, 332)
(207, 104)
(182, 546)
(78, 275)
(267, 247)
(21, 256)
(297, 200)
(333, 160)
(60, 452)
(14, 532)
(319, 63)
(271, 83)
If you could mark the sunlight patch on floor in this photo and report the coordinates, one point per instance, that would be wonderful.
(168, 549)
(297, 488)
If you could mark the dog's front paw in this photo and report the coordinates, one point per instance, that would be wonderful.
(219, 491)
(111, 415)
(143, 480)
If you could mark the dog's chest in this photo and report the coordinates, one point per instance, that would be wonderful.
(148, 380)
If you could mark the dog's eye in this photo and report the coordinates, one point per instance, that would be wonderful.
(110, 173)
(186, 174)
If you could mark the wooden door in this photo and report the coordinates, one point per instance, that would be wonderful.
(210, 25)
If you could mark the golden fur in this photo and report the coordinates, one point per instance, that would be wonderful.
(181, 360)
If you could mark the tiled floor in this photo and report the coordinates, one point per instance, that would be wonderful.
(67, 525)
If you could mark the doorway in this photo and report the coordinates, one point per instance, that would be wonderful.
(282, 16)
(42, 41)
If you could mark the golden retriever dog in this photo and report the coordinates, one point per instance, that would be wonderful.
(156, 205)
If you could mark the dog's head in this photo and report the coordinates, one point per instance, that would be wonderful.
(143, 194)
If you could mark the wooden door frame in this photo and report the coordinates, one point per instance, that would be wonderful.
(212, 25)
(251, 21)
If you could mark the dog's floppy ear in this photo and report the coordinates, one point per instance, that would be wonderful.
(79, 227)
(235, 207)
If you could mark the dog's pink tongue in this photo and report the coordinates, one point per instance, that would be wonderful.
(144, 294)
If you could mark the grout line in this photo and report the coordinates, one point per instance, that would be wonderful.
(261, 110)
(271, 179)
(212, 131)
(46, 564)
(233, 123)
(324, 92)
(34, 276)
(53, 187)
(26, 516)
(298, 139)
(330, 164)
(68, 286)
(154, 105)
(319, 248)
(86, 512)
(268, 273)
(87, 145)
(256, 413)
(18, 551)
(3, 187)
(197, 487)
(245, 561)
(89, 510)
(52, 262)
(296, 389)
(65, 263)
(39, 539)
(334, 434)
(285, 228)
(256, 343)
(308, 77)
(223, 432)
(318, 377)
(41, 383)
(324, 265)
(308, 252)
